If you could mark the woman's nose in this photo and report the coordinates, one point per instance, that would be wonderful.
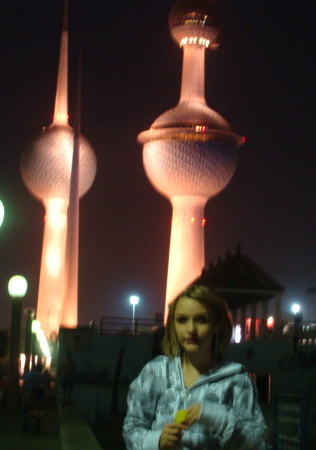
(191, 326)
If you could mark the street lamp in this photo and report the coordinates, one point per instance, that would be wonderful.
(17, 288)
(296, 325)
(36, 326)
(296, 308)
(134, 299)
(30, 314)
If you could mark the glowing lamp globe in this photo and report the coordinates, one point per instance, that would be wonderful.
(1, 212)
(134, 299)
(296, 308)
(36, 326)
(46, 163)
(17, 286)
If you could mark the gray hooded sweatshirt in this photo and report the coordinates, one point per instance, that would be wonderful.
(230, 418)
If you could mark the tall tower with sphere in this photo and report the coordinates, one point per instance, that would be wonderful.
(46, 168)
(190, 152)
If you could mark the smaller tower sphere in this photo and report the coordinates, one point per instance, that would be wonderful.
(195, 19)
(46, 163)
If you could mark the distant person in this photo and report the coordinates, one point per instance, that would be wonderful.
(218, 400)
(33, 396)
(38, 388)
(67, 372)
(47, 379)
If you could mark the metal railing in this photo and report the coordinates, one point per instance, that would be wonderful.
(304, 333)
(124, 326)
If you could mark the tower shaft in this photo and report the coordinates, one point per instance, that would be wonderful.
(186, 251)
(193, 68)
(49, 303)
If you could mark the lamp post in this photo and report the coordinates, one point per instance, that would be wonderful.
(17, 288)
(36, 326)
(296, 325)
(134, 299)
(30, 314)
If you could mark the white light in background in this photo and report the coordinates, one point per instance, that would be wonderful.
(134, 299)
(237, 336)
(296, 308)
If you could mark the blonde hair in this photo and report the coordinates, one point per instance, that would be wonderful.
(218, 313)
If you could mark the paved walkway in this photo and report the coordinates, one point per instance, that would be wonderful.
(108, 434)
(11, 429)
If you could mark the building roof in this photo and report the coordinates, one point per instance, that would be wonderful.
(240, 280)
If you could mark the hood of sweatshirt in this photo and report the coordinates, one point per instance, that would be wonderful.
(222, 370)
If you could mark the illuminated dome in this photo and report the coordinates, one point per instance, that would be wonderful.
(195, 19)
(46, 163)
(190, 150)
(188, 164)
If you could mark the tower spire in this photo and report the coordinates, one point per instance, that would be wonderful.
(61, 100)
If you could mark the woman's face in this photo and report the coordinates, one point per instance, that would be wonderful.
(193, 326)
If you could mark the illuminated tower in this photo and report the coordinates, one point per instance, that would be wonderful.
(190, 152)
(46, 168)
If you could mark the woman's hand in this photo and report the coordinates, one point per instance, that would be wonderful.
(171, 435)
(193, 412)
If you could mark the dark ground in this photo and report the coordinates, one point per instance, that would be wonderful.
(109, 433)
(11, 426)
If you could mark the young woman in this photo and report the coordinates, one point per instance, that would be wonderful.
(218, 396)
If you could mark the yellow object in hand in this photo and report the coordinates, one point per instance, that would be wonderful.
(181, 416)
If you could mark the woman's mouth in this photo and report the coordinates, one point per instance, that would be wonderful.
(191, 341)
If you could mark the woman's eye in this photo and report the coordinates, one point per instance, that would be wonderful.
(202, 319)
(181, 319)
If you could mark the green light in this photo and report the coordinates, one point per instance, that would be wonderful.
(17, 286)
(36, 326)
(1, 212)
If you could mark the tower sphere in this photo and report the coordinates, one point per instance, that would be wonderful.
(195, 19)
(46, 163)
(190, 150)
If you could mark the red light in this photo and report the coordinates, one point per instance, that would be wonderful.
(203, 222)
(243, 139)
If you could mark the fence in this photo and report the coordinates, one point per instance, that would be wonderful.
(124, 326)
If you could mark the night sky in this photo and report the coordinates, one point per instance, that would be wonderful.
(261, 80)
